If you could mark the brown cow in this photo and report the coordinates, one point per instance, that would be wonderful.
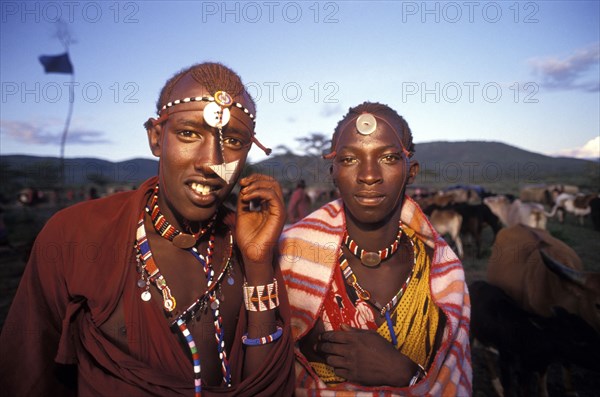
(540, 272)
(527, 344)
(545, 194)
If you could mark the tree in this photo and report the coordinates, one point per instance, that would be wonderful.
(314, 144)
(283, 149)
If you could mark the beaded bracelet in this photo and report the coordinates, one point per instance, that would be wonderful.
(262, 340)
(260, 298)
(421, 373)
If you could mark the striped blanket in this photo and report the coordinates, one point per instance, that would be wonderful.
(308, 258)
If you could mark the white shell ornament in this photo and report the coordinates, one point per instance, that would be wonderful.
(226, 171)
(215, 115)
(366, 124)
(146, 296)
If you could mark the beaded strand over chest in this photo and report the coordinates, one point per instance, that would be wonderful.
(365, 295)
(151, 273)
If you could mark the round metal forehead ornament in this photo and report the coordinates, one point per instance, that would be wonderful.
(215, 115)
(366, 124)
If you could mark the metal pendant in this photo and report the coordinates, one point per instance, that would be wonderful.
(370, 259)
(223, 99)
(141, 283)
(184, 241)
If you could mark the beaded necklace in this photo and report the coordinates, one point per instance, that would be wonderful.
(369, 258)
(152, 273)
(168, 231)
(365, 295)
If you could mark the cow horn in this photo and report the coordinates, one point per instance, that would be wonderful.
(561, 270)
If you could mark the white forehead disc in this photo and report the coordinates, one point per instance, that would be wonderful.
(215, 115)
(366, 124)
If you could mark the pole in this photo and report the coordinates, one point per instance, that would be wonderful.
(63, 140)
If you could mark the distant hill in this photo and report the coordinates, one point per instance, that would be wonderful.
(501, 165)
(493, 165)
(36, 171)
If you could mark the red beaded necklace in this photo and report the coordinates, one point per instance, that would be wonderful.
(168, 231)
(369, 258)
(365, 295)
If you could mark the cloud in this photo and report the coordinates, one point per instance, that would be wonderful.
(568, 73)
(591, 150)
(47, 134)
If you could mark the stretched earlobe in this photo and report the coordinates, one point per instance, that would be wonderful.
(331, 174)
(149, 123)
(413, 171)
(154, 132)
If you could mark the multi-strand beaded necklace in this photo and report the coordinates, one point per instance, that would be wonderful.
(150, 273)
(364, 294)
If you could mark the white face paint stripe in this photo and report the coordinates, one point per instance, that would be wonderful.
(226, 171)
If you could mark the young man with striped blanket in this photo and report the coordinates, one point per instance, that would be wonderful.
(379, 302)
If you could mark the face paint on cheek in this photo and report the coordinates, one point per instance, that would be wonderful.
(226, 171)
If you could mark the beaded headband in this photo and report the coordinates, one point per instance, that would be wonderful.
(221, 99)
(366, 124)
(216, 113)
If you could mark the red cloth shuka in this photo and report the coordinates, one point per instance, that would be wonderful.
(81, 265)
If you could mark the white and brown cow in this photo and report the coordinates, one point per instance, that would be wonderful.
(578, 205)
(517, 211)
(447, 221)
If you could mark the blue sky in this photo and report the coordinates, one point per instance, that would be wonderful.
(523, 73)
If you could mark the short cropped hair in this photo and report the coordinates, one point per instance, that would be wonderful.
(377, 109)
(212, 75)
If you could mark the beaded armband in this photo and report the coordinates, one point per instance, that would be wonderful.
(421, 373)
(262, 340)
(260, 298)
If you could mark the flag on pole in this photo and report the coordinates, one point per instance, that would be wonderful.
(57, 63)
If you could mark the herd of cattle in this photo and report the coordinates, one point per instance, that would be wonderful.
(537, 305)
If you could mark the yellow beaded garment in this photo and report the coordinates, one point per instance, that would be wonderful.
(415, 318)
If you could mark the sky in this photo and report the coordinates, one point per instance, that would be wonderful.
(523, 73)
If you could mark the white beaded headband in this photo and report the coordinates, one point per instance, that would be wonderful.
(216, 113)
(225, 101)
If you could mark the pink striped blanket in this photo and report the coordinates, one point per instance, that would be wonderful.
(308, 258)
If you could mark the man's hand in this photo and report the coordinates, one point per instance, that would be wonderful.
(365, 357)
(258, 229)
